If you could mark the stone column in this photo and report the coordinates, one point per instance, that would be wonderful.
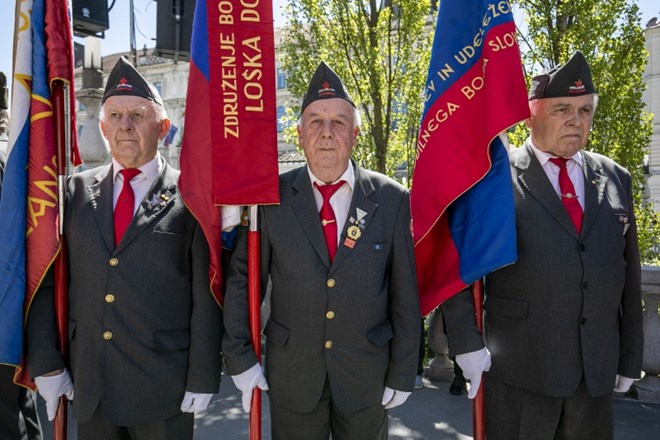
(648, 388)
(93, 147)
(441, 367)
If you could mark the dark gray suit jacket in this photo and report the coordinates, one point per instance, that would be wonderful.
(570, 305)
(365, 303)
(152, 293)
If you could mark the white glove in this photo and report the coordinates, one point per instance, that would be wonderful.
(473, 365)
(622, 384)
(393, 398)
(52, 387)
(195, 402)
(247, 380)
(231, 217)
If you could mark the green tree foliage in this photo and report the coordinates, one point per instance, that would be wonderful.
(381, 51)
(609, 34)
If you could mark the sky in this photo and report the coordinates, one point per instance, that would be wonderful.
(117, 38)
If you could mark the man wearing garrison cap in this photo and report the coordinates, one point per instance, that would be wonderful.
(343, 332)
(563, 325)
(144, 329)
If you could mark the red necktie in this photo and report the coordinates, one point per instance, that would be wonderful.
(327, 214)
(125, 204)
(568, 196)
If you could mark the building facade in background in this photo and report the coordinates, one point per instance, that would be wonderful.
(651, 98)
(171, 80)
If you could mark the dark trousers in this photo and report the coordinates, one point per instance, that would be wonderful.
(422, 350)
(366, 424)
(14, 402)
(514, 413)
(177, 427)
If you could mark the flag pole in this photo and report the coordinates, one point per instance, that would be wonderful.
(478, 421)
(61, 120)
(254, 313)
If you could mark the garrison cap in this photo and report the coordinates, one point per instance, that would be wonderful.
(324, 84)
(570, 79)
(124, 79)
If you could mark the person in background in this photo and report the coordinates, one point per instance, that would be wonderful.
(144, 329)
(343, 334)
(563, 325)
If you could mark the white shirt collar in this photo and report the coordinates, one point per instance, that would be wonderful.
(150, 170)
(544, 157)
(348, 176)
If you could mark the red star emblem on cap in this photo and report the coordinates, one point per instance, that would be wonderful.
(578, 83)
(123, 80)
(326, 85)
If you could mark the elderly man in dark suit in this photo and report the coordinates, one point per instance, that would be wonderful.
(563, 324)
(144, 329)
(343, 333)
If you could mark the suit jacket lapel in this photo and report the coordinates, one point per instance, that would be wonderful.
(362, 192)
(594, 191)
(304, 207)
(100, 200)
(533, 178)
(161, 195)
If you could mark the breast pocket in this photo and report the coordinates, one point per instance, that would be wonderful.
(377, 247)
(621, 220)
(166, 236)
(617, 209)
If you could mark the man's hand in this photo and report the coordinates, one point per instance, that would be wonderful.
(247, 380)
(195, 402)
(473, 365)
(622, 384)
(51, 387)
(393, 398)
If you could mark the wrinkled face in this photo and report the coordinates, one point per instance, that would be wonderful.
(327, 134)
(132, 127)
(561, 126)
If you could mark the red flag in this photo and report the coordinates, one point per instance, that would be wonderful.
(229, 154)
(60, 59)
(462, 196)
(50, 56)
(55, 39)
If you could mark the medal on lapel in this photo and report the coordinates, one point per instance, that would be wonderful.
(159, 200)
(356, 228)
(353, 232)
(623, 219)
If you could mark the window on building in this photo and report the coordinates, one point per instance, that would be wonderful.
(159, 87)
(281, 79)
(281, 112)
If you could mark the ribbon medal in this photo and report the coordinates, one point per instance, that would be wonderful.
(354, 232)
